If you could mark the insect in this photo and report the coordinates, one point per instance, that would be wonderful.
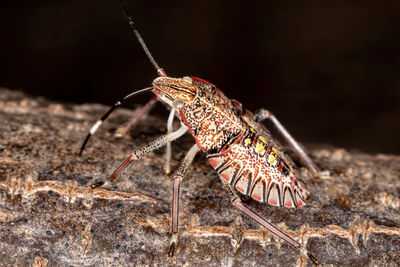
(248, 159)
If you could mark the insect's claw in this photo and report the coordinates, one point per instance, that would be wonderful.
(172, 245)
(306, 253)
(313, 259)
(121, 131)
(99, 184)
(167, 170)
(171, 250)
(329, 173)
(336, 171)
(84, 144)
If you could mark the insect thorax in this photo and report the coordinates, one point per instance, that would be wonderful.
(212, 118)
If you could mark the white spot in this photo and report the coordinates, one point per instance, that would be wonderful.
(95, 126)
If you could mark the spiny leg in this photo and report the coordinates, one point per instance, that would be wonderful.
(187, 161)
(122, 130)
(235, 199)
(156, 144)
(263, 114)
(140, 114)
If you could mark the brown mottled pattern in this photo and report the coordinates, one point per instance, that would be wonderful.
(212, 117)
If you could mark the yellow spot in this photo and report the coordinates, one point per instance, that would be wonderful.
(271, 159)
(259, 148)
(272, 156)
(262, 139)
(252, 130)
(247, 142)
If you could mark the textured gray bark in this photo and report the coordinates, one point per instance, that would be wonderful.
(49, 216)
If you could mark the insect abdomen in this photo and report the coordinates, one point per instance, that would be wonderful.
(257, 169)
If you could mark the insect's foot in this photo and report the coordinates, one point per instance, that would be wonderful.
(172, 246)
(330, 173)
(171, 250)
(313, 259)
(101, 183)
(167, 170)
(121, 131)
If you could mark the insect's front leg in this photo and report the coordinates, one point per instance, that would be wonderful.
(142, 112)
(156, 144)
(237, 202)
(179, 175)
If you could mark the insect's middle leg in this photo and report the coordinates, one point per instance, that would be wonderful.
(179, 175)
(156, 144)
(264, 114)
(168, 152)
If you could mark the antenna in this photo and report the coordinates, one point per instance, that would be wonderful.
(105, 116)
(159, 70)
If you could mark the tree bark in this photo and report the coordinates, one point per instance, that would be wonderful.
(50, 216)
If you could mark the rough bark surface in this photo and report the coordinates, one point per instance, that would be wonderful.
(49, 215)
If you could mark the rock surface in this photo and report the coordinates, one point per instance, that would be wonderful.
(49, 215)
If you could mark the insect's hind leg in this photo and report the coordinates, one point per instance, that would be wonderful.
(236, 201)
(137, 154)
(179, 175)
(264, 114)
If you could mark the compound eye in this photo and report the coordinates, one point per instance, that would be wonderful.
(188, 79)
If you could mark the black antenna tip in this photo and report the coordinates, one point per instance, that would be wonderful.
(140, 39)
(84, 144)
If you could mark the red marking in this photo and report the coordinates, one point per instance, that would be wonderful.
(289, 204)
(300, 203)
(281, 165)
(256, 197)
(240, 189)
(273, 202)
(213, 163)
(237, 103)
(226, 177)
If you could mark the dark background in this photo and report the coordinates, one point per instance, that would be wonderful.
(329, 71)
